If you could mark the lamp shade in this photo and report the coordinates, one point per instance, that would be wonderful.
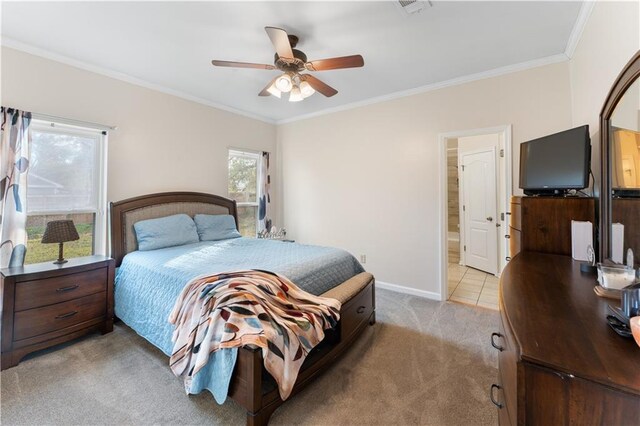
(295, 95)
(60, 231)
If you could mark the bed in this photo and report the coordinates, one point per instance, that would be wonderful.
(148, 283)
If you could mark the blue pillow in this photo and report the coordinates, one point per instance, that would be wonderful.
(167, 231)
(214, 227)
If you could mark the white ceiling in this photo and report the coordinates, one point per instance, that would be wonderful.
(169, 45)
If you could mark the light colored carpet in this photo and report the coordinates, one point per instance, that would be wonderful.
(423, 363)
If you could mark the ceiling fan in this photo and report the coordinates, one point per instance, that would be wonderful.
(292, 62)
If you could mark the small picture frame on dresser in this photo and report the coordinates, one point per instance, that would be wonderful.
(46, 304)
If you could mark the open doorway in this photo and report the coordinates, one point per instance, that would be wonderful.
(475, 193)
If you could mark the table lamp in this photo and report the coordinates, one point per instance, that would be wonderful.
(60, 231)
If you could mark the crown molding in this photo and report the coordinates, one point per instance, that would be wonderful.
(37, 51)
(572, 43)
(578, 28)
(522, 66)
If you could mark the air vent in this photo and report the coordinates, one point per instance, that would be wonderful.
(411, 7)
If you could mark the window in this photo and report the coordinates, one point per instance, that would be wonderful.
(244, 175)
(66, 181)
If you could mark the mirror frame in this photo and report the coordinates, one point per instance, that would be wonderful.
(630, 73)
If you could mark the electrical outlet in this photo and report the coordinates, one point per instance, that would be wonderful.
(363, 258)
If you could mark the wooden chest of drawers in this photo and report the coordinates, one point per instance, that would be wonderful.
(559, 362)
(543, 224)
(47, 304)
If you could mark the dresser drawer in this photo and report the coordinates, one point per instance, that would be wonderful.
(356, 311)
(508, 365)
(34, 322)
(36, 293)
(516, 214)
(514, 242)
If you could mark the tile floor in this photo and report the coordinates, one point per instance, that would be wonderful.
(473, 287)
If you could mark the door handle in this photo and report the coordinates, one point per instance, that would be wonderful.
(490, 219)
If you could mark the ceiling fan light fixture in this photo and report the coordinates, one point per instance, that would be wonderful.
(274, 91)
(306, 89)
(291, 62)
(295, 95)
(284, 83)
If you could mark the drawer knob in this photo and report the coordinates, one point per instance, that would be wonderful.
(493, 342)
(67, 315)
(360, 309)
(71, 287)
(496, 403)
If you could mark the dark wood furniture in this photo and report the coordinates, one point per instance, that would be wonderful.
(559, 361)
(627, 77)
(46, 304)
(543, 224)
(125, 213)
(251, 385)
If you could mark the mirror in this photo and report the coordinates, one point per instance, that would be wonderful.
(624, 152)
(620, 194)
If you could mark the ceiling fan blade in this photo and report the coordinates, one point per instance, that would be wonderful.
(280, 41)
(242, 65)
(265, 91)
(353, 61)
(319, 86)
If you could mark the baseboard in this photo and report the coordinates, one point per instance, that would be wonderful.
(408, 290)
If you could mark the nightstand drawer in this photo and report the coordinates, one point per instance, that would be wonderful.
(33, 294)
(34, 322)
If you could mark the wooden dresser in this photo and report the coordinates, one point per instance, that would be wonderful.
(559, 362)
(543, 224)
(46, 304)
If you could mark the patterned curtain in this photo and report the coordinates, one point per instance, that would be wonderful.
(264, 221)
(15, 140)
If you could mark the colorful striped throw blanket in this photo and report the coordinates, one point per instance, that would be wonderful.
(249, 307)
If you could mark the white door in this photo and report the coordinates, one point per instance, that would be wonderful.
(479, 209)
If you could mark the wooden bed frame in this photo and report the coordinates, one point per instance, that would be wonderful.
(251, 385)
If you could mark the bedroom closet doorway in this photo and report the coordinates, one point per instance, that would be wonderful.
(475, 194)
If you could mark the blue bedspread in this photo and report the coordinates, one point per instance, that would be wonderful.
(148, 283)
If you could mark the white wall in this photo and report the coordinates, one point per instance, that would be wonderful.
(367, 179)
(609, 40)
(163, 143)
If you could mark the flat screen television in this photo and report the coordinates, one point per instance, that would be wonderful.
(554, 164)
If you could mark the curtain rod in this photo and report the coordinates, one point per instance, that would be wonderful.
(71, 122)
(247, 150)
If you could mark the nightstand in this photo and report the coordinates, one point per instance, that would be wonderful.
(46, 304)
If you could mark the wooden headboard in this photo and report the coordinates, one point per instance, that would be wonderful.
(127, 212)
